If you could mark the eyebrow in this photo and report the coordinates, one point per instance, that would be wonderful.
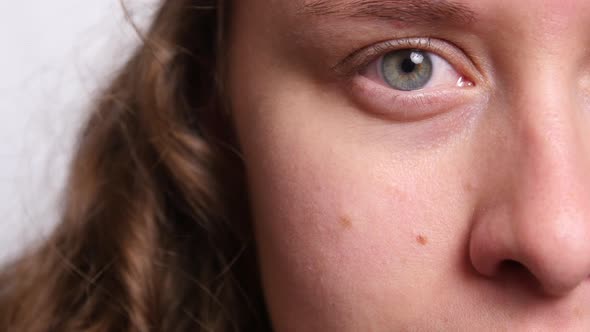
(404, 11)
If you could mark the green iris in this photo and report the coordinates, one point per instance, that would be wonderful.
(407, 70)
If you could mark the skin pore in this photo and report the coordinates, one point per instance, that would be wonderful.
(459, 206)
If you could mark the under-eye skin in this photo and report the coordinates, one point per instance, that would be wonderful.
(410, 79)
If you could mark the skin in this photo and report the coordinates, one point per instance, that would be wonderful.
(463, 213)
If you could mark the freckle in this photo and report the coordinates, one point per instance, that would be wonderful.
(469, 187)
(422, 240)
(345, 222)
(398, 194)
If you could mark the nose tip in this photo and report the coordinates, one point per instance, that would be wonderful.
(556, 255)
(559, 259)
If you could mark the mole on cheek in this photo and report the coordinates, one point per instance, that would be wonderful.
(345, 222)
(422, 240)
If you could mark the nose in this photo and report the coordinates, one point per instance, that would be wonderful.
(542, 221)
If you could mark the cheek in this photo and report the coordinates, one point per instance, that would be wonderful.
(349, 224)
(358, 220)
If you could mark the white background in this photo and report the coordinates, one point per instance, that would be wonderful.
(54, 56)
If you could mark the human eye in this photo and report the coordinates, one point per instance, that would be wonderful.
(415, 69)
(411, 79)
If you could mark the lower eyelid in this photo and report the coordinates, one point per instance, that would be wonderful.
(408, 106)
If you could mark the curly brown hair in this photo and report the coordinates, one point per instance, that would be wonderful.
(155, 232)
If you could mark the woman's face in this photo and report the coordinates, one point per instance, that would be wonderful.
(417, 165)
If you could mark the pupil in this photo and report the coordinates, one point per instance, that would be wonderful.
(408, 66)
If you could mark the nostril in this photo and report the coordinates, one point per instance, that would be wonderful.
(513, 269)
(513, 273)
(509, 266)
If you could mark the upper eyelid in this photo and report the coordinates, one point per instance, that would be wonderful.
(363, 57)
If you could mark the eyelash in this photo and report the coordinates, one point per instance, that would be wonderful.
(359, 60)
(402, 105)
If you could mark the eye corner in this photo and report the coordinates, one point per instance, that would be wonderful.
(464, 82)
